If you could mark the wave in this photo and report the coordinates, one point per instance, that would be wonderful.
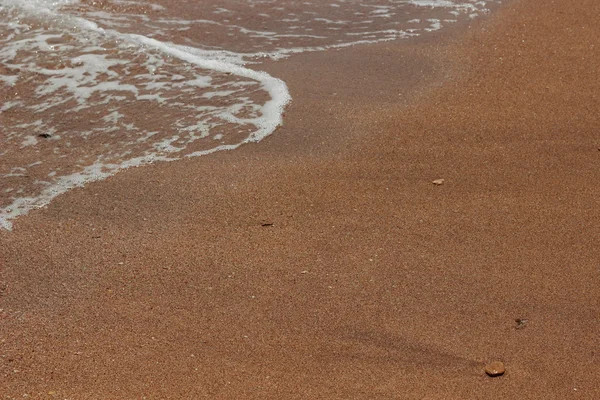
(93, 87)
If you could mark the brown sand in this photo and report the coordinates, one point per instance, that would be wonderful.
(372, 282)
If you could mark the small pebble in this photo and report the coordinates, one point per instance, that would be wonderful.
(438, 182)
(521, 322)
(495, 368)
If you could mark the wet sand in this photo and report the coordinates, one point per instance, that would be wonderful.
(323, 263)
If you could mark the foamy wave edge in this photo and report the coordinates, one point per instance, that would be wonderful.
(272, 114)
(220, 61)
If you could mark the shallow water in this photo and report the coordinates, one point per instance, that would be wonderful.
(91, 87)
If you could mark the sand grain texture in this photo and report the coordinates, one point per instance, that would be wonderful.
(371, 282)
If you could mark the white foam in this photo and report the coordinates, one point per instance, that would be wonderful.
(436, 25)
(81, 81)
(272, 110)
(443, 4)
(29, 141)
(201, 93)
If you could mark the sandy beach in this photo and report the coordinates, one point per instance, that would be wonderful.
(322, 262)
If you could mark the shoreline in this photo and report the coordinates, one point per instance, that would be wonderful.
(317, 265)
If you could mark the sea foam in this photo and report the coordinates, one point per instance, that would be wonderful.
(93, 87)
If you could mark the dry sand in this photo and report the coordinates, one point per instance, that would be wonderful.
(371, 282)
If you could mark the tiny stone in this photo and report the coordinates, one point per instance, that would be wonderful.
(521, 322)
(495, 368)
(438, 182)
